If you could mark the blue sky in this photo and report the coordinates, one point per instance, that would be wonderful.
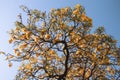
(103, 12)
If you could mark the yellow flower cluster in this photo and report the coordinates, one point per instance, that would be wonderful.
(78, 6)
(77, 9)
(87, 74)
(28, 66)
(12, 38)
(23, 46)
(52, 52)
(76, 12)
(33, 60)
(28, 34)
(85, 18)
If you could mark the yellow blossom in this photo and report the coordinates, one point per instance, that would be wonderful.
(46, 67)
(43, 31)
(77, 6)
(23, 46)
(57, 12)
(9, 57)
(83, 45)
(108, 68)
(20, 68)
(75, 12)
(24, 30)
(112, 71)
(15, 50)
(66, 9)
(77, 52)
(94, 55)
(52, 52)
(83, 17)
(33, 60)
(28, 66)
(10, 64)
(11, 40)
(36, 39)
(62, 11)
(18, 53)
(28, 33)
(87, 74)
(81, 71)
(47, 36)
(23, 36)
(53, 20)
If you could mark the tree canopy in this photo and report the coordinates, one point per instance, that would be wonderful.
(59, 45)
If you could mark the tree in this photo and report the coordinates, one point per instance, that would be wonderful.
(60, 46)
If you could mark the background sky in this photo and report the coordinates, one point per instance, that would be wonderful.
(103, 12)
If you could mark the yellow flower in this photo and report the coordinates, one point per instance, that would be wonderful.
(99, 47)
(77, 6)
(108, 68)
(28, 66)
(112, 71)
(83, 17)
(47, 36)
(24, 30)
(49, 58)
(95, 50)
(83, 45)
(17, 28)
(62, 11)
(57, 12)
(15, 50)
(33, 60)
(87, 74)
(9, 57)
(53, 20)
(77, 52)
(63, 26)
(23, 46)
(57, 38)
(23, 37)
(16, 31)
(20, 68)
(52, 52)
(11, 40)
(36, 39)
(75, 12)
(10, 64)
(18, 53)
(67, 9)
(46, 67)
(81, 71)
(43, 31)
(37, 54)
(90, 20)
(28, 33)
(94, 55)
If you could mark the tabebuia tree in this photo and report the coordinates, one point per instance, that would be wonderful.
(59, 45)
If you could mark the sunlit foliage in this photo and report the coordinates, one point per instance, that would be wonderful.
(60, 46)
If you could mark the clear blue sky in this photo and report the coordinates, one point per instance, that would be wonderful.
(103, 12)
